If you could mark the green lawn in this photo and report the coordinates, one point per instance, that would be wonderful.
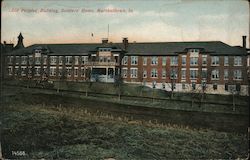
(48, 131)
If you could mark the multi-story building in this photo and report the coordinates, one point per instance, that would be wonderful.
(212, 66)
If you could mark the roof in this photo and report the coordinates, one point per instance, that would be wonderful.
(146, 48)
(173, 48)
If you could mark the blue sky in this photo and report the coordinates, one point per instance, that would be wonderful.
(148, 21)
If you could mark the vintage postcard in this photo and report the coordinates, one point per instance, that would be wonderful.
(123, 79)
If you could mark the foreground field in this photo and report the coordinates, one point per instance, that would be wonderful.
(44, 131)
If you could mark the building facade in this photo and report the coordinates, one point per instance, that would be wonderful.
(211, 67)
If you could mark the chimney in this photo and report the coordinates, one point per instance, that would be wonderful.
(125, 43)
(244, 41)
(105, 40)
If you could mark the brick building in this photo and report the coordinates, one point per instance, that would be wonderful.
(212, 66)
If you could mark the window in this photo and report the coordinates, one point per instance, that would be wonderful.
(68, 70)
(76, 60)
(68, 59)
(237, 61)
(237, 75)
(133, 73)
(53, 59)
(60, 60)
(125, 60)
(214, 60)
(24, 60)
(37, 60)
(60, 71)
(164, 73)
(30, 60)
(225, 74)
(144, 73)
(134, 60)
(154, 60)
(173, 60)
(44, 60)
(215, 74)
(37, 71)
(145, 61)
(10, 71)
(17, 70)
(10, 59)
(204, 60)
(154, 73)
(164, 61)
(226, 61)
(52, 71)
(183, 73)
(23, 71)
(173, 73)
(84, 59)
(193, 73)
(124, 72)
(82, 72)
(194, 50)
(204, 73)
(184, 60)
(76, 72)
(193, 61)
(17, 59)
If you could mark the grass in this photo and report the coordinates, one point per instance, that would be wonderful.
(49, 131)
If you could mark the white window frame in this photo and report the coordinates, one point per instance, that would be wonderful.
(125, 60)
(184, 57)
(23, 70)
(215, 74)
(84, 59)
(173, 60)
(82, 72)
(215, 60)
(52, 71)
(237, 61)
(226, 77)
(145, 61)
(69, 71)
(23, 59)
(193, 61)
(124, 72)
(68, 60)
(237, 74)
(144, 74)
(195, 71)
(133, 72)
(154, 60)
(10, 70)
(134, 60)
(164, 61)
(183, 76)
(164, 73)
(53, 60)
(76, 71)
(226, 61)
(204, 59)
(154, 73)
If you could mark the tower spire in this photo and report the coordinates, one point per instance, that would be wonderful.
(20, 42)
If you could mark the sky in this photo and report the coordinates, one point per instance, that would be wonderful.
(51, 21)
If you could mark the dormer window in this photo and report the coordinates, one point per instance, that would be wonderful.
(194, 50)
